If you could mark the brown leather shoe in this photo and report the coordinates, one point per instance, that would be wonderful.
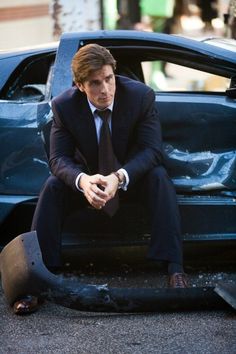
(28, 304)
(178, 280)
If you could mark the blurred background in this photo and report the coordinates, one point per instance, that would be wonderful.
(32, 22)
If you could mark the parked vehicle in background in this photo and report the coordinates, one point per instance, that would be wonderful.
(230, 19)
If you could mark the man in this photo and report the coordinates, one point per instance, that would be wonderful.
(105, 142)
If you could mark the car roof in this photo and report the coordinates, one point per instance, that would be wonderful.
(35, 49)
(152, 38)
(225, 43)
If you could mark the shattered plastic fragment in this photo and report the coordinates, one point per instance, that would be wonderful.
(203, 170)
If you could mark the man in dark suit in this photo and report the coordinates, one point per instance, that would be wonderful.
(107, 117)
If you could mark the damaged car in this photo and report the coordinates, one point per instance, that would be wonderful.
(195, 86)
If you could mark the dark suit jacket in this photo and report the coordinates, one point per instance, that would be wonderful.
(136, 133)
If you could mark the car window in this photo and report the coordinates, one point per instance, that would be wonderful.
(166, 76)
(30, 80)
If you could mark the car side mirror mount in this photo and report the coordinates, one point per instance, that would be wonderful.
(231, 91)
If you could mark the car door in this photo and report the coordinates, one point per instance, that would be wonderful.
(24, 108)
(198, 119)
(198, 125)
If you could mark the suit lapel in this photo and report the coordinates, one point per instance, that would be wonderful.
(87, 126)
(86, 131)
(120, 126)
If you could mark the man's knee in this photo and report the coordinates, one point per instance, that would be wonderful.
(158, 173)
(159, 181)
(54, 184)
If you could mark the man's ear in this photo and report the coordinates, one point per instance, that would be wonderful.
(80, 87)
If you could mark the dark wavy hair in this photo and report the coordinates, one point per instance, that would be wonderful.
(90, 58)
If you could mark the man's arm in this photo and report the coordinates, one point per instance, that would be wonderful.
(62, 159)
(64, 165)
(146, 151)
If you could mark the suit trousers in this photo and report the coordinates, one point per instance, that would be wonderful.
(155, 190)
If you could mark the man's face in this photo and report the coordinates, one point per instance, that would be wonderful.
(100, 87)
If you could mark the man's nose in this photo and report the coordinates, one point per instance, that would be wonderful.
(104, 87)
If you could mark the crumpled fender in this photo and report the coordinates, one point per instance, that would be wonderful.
(23, 272)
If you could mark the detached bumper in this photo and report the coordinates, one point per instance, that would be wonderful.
(23, 272)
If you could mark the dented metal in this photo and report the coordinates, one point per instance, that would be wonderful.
(202, 170)
(23, 160)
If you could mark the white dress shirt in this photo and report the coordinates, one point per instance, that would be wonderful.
(98, 124)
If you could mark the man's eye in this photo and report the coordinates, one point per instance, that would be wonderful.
(109, 78)
(95, 83)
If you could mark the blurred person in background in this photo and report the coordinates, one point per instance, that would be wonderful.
(230, 20)
(209, 11)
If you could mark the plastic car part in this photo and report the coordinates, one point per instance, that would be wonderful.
(23, 272)
(201, 171)
(231, 91)
(227, 292)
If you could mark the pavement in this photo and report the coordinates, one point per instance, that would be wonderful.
(55, 329)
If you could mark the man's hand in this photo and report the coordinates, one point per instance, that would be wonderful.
(110, 185)
(98, 189)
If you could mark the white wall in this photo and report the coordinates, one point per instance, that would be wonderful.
(71, 15)
(10, 3)
(78, 15)
(24, 31)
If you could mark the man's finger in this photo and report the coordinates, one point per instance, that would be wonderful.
(96, 200)
(99, 191)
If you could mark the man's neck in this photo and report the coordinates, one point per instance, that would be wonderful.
(94, 108)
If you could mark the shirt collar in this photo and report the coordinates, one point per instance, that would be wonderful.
(93, 108)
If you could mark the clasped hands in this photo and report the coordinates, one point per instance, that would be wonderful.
(99, 189)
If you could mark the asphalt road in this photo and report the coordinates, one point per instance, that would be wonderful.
(56, 329)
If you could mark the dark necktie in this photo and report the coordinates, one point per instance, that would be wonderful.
(107, 161)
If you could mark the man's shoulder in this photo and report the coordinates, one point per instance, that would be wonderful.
(131, 84)
(68, 95)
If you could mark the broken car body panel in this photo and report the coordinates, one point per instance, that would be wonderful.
(23, 272)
